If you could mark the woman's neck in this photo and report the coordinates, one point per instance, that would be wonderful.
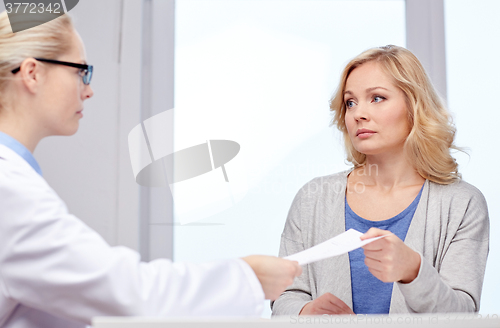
(388, 172)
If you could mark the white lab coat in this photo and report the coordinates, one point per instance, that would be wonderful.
(57, 272)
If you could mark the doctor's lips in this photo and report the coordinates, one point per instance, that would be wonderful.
(191, 162)
(364, 133)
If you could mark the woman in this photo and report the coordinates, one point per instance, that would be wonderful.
(404, 184)
(54, 270)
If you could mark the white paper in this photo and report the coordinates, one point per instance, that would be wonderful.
(341, 244)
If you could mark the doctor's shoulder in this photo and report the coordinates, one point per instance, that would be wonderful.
(16, 172)
(24, 194)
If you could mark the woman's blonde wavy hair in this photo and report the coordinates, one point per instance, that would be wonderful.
(49, 40)
(432, 131)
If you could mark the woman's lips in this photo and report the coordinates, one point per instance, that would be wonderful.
(364, 133)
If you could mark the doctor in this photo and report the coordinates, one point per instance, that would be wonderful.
(54, 270)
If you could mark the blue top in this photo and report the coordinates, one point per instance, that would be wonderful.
(370, 295)
(22, 151)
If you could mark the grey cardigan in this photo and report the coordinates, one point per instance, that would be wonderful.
(450, 231)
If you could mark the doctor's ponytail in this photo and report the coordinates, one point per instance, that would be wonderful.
(49, 40)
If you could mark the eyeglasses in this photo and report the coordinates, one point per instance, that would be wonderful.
(85, 70)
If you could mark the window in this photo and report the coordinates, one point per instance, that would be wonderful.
(472, 45)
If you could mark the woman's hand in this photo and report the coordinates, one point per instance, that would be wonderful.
(326, 304)
(389, 259)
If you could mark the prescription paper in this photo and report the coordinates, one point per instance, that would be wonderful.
(341, 244)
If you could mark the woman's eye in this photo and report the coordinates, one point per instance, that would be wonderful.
(378, 98)
(349, 103)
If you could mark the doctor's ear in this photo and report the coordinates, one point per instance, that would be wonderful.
(31, 73)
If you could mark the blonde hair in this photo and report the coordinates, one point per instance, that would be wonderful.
(432, 131)
(49, 40)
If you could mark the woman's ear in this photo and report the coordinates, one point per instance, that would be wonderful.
(31, 73)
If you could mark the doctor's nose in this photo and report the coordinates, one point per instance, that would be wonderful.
(87, 92)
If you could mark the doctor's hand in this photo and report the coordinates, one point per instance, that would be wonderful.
(326, 304)
(274, 273)
(389, 259)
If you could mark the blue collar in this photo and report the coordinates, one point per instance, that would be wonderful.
(22, 151)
